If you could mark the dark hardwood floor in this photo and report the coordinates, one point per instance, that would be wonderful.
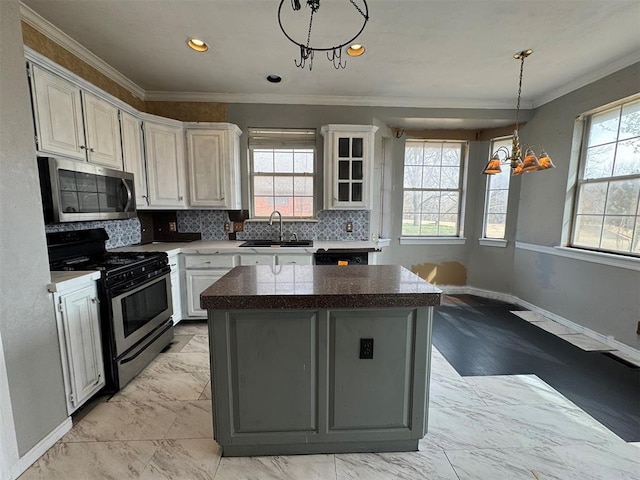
(480, 336)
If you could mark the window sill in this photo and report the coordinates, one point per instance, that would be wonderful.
(493, 242)
(610, 259)
(432, 240)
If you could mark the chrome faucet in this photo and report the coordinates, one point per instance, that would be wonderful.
(271, 222)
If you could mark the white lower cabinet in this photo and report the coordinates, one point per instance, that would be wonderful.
(176, 295)
(201, 270)
(78, 321)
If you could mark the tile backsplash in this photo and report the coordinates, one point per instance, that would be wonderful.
(210, 224)
(121, 232)
(329, 226)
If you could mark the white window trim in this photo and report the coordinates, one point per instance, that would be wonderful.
(602, 258)
(493, 242)
(273, 139)
(432, 240)
(444, 240)
(576, 170)
(486, 195)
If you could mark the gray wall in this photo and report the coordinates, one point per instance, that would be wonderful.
(603, 298)
(27, 319)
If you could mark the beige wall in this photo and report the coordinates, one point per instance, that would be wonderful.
(183, 111)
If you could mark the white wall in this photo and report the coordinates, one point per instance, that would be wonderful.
(27, 321)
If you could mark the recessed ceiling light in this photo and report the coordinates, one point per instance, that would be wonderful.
(355, 50)
(274, 78)
(197, 45)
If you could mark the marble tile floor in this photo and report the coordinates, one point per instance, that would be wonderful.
(507, 427)
(575, 338)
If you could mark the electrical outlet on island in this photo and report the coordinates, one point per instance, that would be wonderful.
(349, 227)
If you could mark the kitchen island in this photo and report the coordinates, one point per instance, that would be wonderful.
(319, 359)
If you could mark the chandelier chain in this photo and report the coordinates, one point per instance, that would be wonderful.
(519, 92)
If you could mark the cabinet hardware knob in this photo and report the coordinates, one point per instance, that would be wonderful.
(180, 197)
(95, 300)
(91, 150)
(82, 147)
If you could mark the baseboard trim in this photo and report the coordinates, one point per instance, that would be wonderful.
(41, 447)
(505, 297)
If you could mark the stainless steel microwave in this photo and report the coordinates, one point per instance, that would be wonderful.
(74, 191)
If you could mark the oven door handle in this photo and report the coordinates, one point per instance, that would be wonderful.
(117, 292)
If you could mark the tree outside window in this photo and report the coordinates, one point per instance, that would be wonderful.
(607, 213)
(432, 188)
(497, 195)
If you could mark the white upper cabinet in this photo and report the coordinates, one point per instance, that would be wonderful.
(348, 166)
(133, 156)
(213, 161)
(58, 115)
(164, 146)
(74, 123)
(103, 132)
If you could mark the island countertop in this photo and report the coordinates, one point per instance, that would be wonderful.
(319, 286)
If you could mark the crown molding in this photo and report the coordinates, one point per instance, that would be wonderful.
(353, 101)
(58, 36)
(588, 78)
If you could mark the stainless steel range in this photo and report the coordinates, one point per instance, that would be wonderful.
(135, 299)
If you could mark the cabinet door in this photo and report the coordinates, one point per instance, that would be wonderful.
(133, 156)
(165, 165)
(214, 167)
(205, 150)
(82, 337)
(103, 132)
(197, 282)
(58, 115)
(348, 166)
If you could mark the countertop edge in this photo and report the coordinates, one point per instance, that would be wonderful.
(68, 280)
(233, 246)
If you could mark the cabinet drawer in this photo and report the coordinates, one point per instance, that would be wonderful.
(209, 261)
(257, 259)
(294, 259)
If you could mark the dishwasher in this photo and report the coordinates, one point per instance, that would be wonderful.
(341, 258)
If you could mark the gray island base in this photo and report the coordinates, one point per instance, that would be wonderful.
(319, 359)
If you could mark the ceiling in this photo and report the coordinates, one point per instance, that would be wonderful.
(419, 53)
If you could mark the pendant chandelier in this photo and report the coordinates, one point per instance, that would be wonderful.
(307, 49)
(531, 162)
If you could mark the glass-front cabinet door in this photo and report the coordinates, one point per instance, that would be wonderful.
(348, 166)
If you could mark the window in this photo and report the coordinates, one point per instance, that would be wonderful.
(497, 196)
(282, 172)
(608, 192)
(433, 172)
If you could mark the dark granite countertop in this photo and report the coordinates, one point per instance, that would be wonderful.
(319, 286)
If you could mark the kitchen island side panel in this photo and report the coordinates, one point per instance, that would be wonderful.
(291, 381)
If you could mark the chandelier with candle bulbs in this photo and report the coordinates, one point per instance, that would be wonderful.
(513, 158)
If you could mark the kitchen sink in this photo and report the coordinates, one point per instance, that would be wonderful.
(276, 243)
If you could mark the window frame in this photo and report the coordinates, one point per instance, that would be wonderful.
(586, 123)
(484, 239)
(458, 238)
(275, 139)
